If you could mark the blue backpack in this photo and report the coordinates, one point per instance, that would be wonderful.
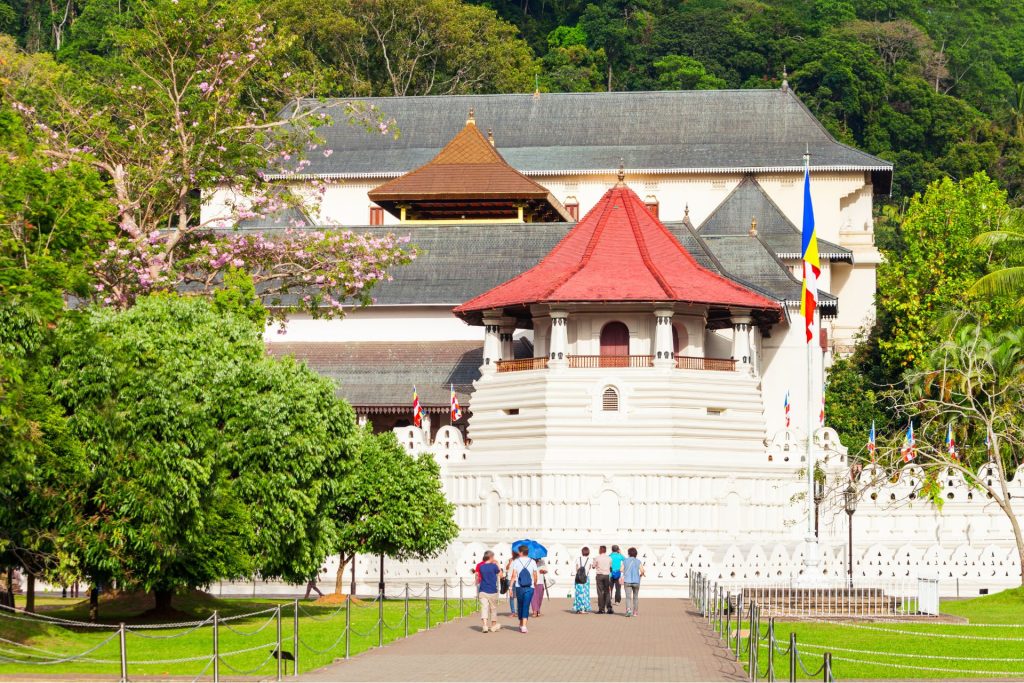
(525, 579)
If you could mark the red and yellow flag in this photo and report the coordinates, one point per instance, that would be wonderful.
(811, 262)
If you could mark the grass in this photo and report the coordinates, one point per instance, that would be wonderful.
(321, 639)
(938, 650)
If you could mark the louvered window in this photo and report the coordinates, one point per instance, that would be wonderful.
(610, 400)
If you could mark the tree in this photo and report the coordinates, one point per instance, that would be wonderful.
(412, 47)
(676, 72)
(207, 460)
(974, 383)
(931, 265)
(569, 65)
(1007, 279)
(188, 102)
(392, 505)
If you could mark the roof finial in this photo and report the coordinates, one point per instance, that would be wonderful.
(785, 79)
(622, 173)
(686, 211)
(753, 226)
(536, 86)
(472, 119)
(490, 136)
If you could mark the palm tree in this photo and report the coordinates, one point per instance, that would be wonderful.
(1008, 280)
(1017, 110)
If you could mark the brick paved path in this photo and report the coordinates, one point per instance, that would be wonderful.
(669, 642)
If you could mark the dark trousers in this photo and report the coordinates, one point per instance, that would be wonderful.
(618, 592)
(604, 593)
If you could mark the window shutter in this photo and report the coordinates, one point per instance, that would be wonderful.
(610, 400)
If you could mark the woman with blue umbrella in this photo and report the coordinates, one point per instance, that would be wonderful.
(537, 552)
(523, 581)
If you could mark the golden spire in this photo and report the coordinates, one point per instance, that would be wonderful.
(471, 121)
(621, 173)
(490, 136)
(753, 226)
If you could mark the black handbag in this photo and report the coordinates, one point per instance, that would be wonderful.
(503, 587)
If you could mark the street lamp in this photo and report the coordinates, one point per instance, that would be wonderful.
(819, 495)
(850, 496)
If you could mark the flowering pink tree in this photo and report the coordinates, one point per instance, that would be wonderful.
(197, 96)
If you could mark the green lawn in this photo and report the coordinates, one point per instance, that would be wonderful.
(991, 646)
(321, 636)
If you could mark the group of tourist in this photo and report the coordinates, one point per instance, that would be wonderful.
(523, 578)
(613, 572)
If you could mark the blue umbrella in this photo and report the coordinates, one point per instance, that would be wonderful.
(536, 550)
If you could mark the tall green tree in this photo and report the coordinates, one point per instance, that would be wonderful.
(207, 460)
(393, 504)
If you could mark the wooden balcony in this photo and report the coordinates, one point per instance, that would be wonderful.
(611, 361)
(521, 364)
(698, 363)
(682, 362)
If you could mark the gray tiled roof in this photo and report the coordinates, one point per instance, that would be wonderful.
(749, 200)
(384, 373)
(697, 130)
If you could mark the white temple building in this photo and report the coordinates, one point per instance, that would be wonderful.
(607, 281)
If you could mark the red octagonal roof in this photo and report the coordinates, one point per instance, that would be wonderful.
(619, 252)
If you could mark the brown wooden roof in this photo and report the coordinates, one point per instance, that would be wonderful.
(468, 178)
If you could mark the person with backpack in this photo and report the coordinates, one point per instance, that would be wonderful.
(581, 596)
(524, 578)
(632, 571)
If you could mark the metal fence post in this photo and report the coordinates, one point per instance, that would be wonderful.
(752, 643)
(124, 654)
(279, 653)
(739, 622)
(428, 605)
(348, 626)
(295, 640)
(728, 617)
(771, 649)
(444, 595)
(460, 598)
(792, 657)
(406, 610)
(380, 619)
(827, 667)
(216, 647)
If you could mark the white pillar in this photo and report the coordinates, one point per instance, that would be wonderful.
(741, 342)
(505, 331)
(559, 354)
(425, 426)
(492, 343)
(664, 355)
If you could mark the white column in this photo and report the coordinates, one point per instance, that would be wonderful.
(492, 343)
(559, 352)
(741, 342)
(505, 331)
(664, 356)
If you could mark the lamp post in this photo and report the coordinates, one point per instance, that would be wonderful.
(850, 496)
(819, 495)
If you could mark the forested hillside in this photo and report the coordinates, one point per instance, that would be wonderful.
(936, 87)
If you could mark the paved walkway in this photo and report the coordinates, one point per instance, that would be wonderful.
(669, 642)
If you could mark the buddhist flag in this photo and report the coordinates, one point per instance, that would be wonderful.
(950, 444)
(821, 415)
(871, 442)
(812, 264)
(786, 404)
(909, 450)
(417, 409)
(456, 408)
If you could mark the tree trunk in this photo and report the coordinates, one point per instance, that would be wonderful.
(30, 592)
(352, 586)
(162, 600)
(9, 598)
(339, 579)
(94, 602)
(609, 76)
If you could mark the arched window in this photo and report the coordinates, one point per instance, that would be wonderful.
(610, 400)
(679, 339)
(614, 345)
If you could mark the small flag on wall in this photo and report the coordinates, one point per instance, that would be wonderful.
(417, 409)
(456, 408)
(909, 450)
(787, 409)
(950, 444)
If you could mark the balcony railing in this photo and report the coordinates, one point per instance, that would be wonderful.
(682, 362)
(611, 361)
(522, 364)
(697, 363)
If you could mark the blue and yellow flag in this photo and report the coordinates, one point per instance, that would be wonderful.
(812, 264)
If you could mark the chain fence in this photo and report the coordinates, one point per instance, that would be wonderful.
(318, 639)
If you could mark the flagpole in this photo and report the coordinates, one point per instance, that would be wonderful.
(812, 574)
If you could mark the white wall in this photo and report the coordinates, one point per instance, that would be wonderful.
(378, 323)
